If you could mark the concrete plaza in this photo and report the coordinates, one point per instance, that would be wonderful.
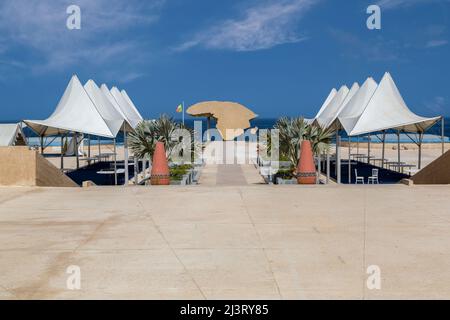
(225, 242)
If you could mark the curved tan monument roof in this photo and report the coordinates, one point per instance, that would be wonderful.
(232, 118)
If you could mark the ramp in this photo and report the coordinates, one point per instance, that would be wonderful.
(20, 166)
(437, 172)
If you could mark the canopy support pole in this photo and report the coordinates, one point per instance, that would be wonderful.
(42, 144)
(115, 163)
(89, 149)
(338, 158)
(62, 152)
(443, 135)
(328, 165)
(383, 152)
(349, 161)
(420, 150)
(368, 148)
(99, 147)
(136, 170)
(75, 136)
(398, 149)
(125, 153)
(357, 144)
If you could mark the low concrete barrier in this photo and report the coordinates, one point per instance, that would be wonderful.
(20, 166)
(437, 172)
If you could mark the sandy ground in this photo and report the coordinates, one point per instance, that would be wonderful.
(409, 153)
(201, 242)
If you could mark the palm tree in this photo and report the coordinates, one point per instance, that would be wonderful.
(143, 140)
(294, 130)
(291, 134)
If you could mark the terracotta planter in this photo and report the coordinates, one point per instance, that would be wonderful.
(306, 170)
(160, 169)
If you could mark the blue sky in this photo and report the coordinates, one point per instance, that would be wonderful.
(278, 57)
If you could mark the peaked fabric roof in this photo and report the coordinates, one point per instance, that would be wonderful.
(387, 110)
(134, 118)
(9, 134)
(333, 108)
(75, 112)
(327, 102)
(354, 108)
(113, 118)
(353, 90)
(130, 102)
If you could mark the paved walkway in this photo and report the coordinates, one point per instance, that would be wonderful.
(230, 175)
(233, 174)
(250, 242)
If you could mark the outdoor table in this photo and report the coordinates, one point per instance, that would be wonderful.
(390, 164)
(364, 157)
(356, 155)
(89, 159)
(403, 166)
(111, 173)
(383, 161)
(104, 156)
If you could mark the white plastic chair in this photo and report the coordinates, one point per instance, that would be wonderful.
(374, 178)
(358, 178)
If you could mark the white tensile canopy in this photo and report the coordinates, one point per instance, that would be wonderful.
(130, 112)
(372, 109)
(327, 102)
(353, 91)
(11, 134)
(333, 108)
(75, 113)
(387, 110)
(118, 101)
(114, 119)
(130, 102)
(350, 114)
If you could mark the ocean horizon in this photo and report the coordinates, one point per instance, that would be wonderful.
(432, 135)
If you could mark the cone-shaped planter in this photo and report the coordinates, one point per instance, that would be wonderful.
(306, 170)
(160, 168)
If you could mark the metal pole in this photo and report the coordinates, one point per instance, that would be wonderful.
(349, 162)
(357, 144)
(42, 145)
(89, 149)
(337, 152)
(62, 153)
(136, 170)
(368, 148)
(76, 149)
(115, 163)
(99, 147)
(338, 159)
(384, 149)
(328, 166)
(420, 150)
(398, 149)
(125, 151)
(443, 135)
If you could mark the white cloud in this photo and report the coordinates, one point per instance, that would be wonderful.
(394, 4)
(38, 28)
(436, 43)
(377, 49)
(262, 26)
(437, 105)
